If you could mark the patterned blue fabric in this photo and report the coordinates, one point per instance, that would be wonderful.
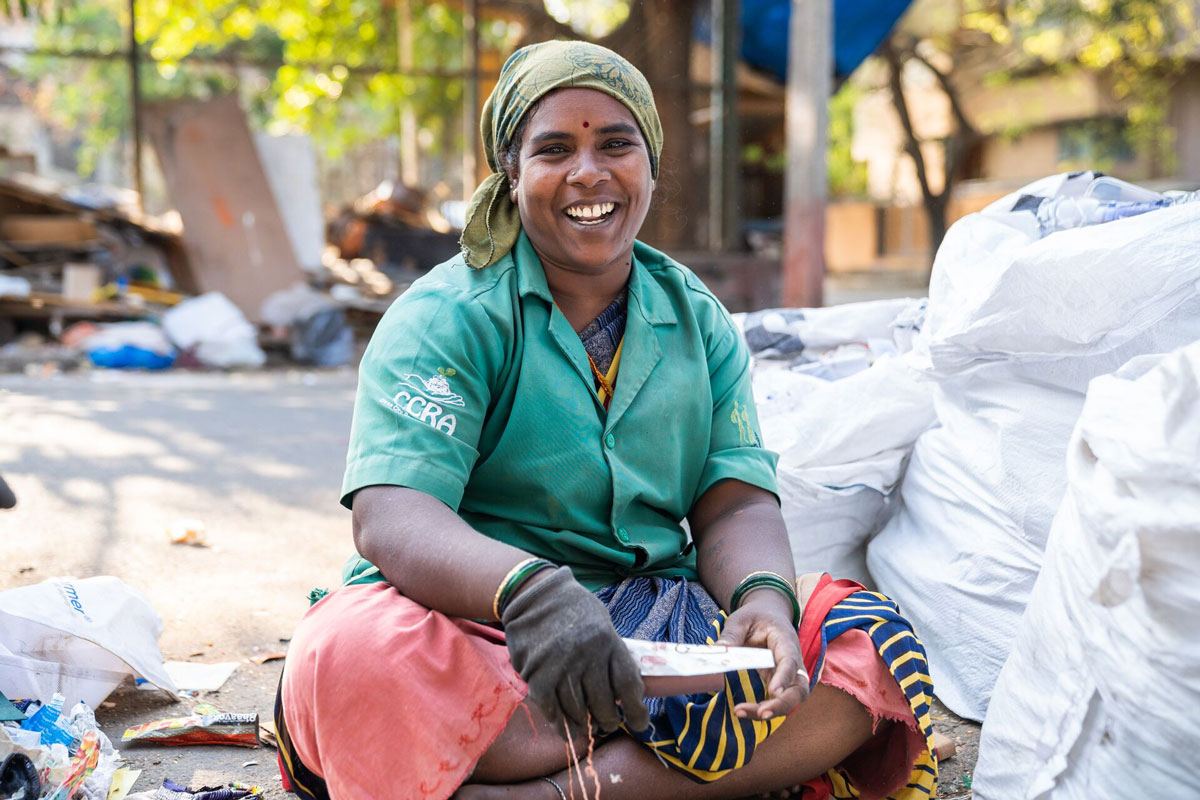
(603, 334)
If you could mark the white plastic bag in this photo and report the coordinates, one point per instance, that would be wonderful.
(1104, 680)
(843, 414)
(215, 330)
(843, 447)
(77, 637)
(1017, 326)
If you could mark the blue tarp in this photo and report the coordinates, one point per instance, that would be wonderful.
(859, 26)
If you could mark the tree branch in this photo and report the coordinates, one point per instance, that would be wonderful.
(912, 145)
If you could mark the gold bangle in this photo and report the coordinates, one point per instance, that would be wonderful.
(500, 589)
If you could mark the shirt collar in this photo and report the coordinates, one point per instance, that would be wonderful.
(652, 302)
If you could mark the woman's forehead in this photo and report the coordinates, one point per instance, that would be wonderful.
(562, 106)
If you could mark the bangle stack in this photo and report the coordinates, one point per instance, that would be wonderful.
(769, 580)
(513, 580)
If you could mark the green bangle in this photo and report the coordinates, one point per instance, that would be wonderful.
(514, 579)
(768, 580)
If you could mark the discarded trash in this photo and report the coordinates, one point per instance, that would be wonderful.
(943, 747)
(9, 712)
(130, 345)
(122, 783)
(265, 657)
(266, 733)
(215, 331)
(188, 531)
(80, 638)
(236, 729)
(191, 676)
(174, 791)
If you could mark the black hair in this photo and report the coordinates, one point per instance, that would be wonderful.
(509, 156)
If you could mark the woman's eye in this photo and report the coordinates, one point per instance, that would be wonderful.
(617, 144)
(552, 150)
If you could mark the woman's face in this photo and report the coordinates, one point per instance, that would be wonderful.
(582, 184)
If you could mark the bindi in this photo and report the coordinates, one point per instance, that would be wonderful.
(585, 123)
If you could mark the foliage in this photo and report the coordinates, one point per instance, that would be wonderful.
(847, 177)
(324, 67)
(1136, 45)
(594, 19)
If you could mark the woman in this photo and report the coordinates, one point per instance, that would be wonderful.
(535, 419)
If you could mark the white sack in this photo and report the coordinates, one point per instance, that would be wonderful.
(961, 554)
(1101, 688)
(216, 331)
(77, 637)
(843, 445)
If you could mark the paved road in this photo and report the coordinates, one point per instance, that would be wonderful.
(103, 462)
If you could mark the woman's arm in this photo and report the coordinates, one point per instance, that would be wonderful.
(738, 530)
(429, 553)
(559, 635)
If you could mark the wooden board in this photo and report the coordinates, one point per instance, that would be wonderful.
(232, 230)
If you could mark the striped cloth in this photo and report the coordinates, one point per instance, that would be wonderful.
(700, 736)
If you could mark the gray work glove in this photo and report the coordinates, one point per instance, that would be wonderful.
(563, 644)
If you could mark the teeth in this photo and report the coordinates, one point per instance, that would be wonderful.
(591, 212)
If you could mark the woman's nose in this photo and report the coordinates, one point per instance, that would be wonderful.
(588, 170)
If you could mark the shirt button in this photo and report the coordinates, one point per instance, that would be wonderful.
(611, 441)
(623, 534)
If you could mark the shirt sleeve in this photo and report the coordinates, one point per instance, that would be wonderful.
(424, 387)
(735, 442)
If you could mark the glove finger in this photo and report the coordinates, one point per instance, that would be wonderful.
(542, 695)
(627, 682)
(601, 702)
(571, 701)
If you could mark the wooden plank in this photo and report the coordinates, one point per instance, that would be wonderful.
(233, 232)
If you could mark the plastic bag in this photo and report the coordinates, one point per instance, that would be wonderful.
(1017, 326)
(843, 414)
(1104, 678)
(215, 330)
(80, 638)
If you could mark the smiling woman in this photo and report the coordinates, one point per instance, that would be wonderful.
(535, 421)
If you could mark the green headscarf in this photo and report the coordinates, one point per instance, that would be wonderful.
(529, 74)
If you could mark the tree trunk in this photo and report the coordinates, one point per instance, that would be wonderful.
(935, 211)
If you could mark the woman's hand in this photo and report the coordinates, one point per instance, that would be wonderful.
(765, 620)
(563, 644)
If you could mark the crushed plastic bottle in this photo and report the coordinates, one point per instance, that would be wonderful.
(1063, 213)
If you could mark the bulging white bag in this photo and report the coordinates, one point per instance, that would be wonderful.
(843, 447)
(1101, 688)
(77, 637)
(843, 412)
(1016, 328)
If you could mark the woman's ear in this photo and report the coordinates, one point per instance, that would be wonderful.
(512, 188)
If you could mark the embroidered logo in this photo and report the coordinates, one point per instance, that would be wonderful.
(740, 417)
(425, 399)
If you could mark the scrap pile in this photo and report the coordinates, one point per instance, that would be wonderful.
(65, 645)
(1027, 440)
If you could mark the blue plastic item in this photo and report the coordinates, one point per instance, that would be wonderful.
(130, 357)
(858, 28)
(46, 722)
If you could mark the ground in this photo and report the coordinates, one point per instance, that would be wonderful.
(102, 463)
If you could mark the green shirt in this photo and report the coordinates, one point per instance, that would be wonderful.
(475, 389)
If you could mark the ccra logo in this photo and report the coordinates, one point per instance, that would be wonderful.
(426, 399)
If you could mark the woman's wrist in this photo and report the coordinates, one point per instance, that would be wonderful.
(767, 599)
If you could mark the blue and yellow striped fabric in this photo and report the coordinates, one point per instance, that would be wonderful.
(699, 735)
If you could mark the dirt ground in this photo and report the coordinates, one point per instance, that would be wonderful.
(102, 463)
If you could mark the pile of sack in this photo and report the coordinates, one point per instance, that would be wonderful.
(949, 458)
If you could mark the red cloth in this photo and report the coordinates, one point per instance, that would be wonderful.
(384, 698)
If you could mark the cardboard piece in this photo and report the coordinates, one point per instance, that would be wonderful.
(233, 231)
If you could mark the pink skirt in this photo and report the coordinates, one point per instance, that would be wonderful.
(385, 698)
